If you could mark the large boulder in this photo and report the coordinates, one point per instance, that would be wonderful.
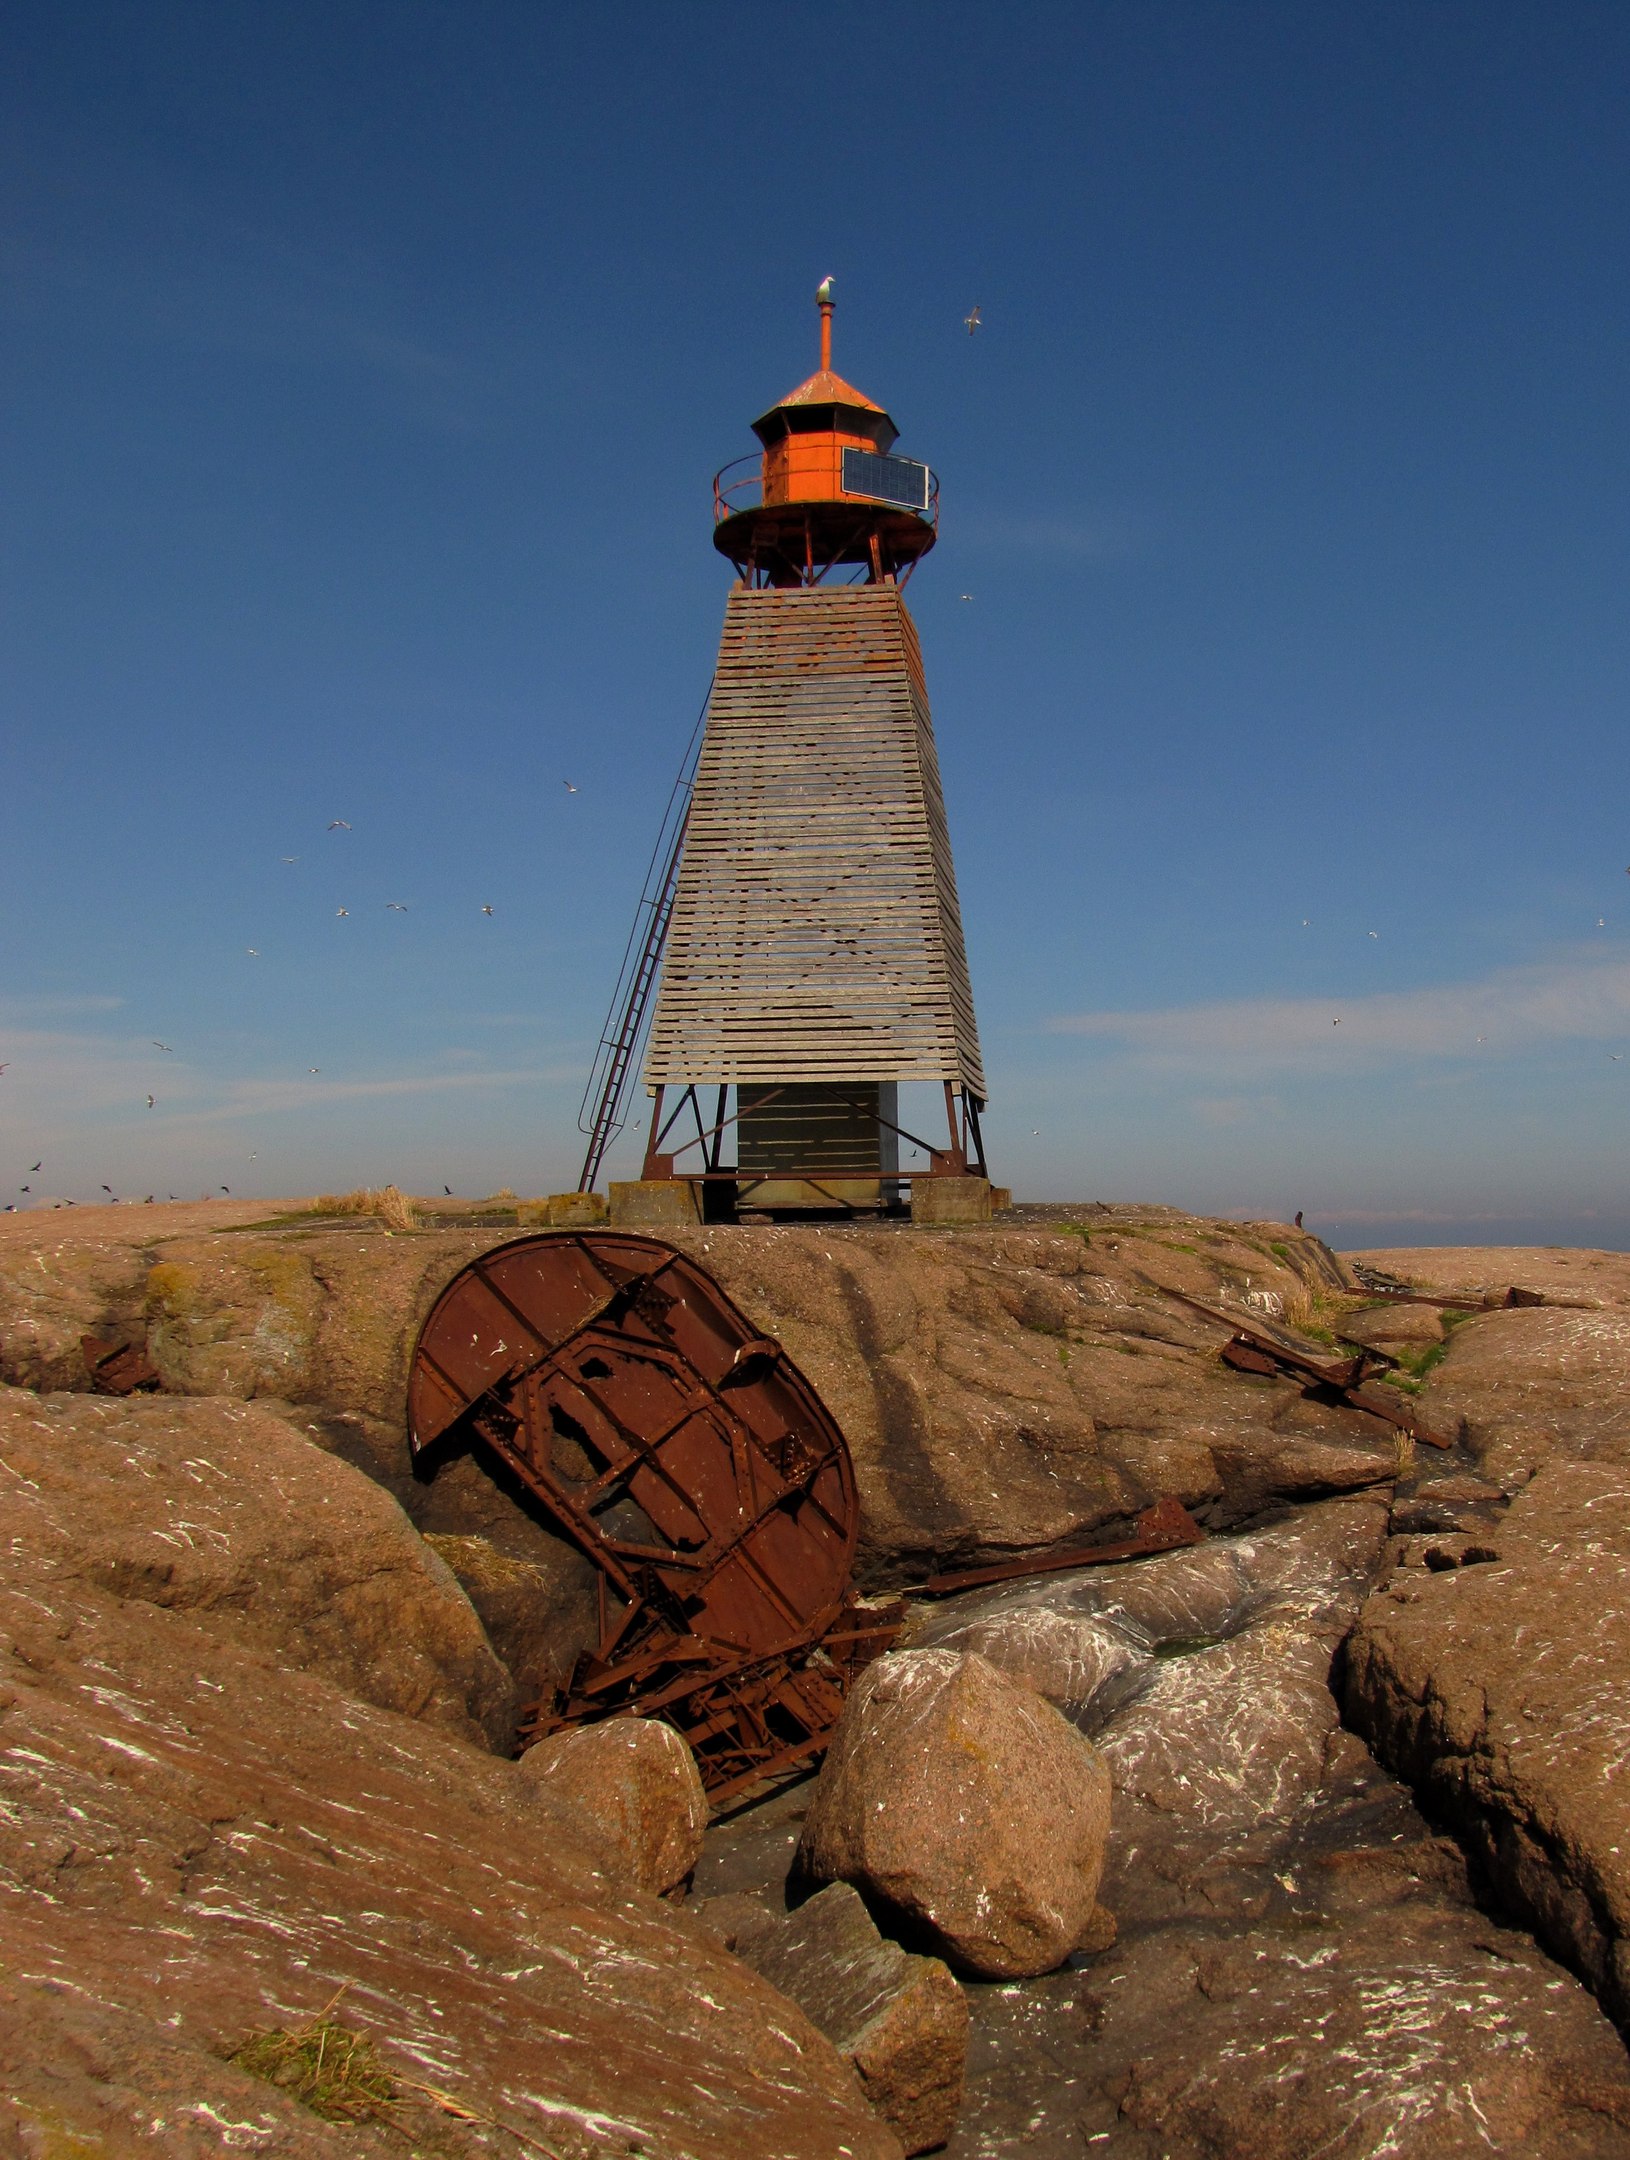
(966, 1807)
(1497, 1689)
(632, 1787)
(197, 1844)
(900, 2020)
(223, 1510)
(1002, 1389)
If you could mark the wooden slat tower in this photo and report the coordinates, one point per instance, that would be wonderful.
(814, 956)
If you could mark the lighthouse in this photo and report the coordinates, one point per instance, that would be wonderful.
(807, 951)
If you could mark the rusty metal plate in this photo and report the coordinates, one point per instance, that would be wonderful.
(686, 1456)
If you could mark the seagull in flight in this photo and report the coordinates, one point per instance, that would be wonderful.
(339, 824)
(250, 950)
(314, 1068)
(107, 1189)
(486, 911)
(339, 911)
(288, 858)
(227, 1190)
(33, 1166)
(1374, 933)
(157, 1045)
(973, 321)
(399, 905)
(149, 1102)
(965, 596)
(567, 785)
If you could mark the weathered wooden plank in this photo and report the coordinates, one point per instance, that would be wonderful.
(815, 930)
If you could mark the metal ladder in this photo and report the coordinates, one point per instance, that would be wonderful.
(629, 1012)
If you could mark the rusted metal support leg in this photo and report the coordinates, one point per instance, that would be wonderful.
(972, 1107)
(651, 1154)
(953, 1160)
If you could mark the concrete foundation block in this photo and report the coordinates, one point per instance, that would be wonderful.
(655, 1204)
(950, 1200)
(577, 1210)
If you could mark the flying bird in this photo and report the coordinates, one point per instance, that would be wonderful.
(1601, 922)
(3, 1067)
(25, 1188)
(973, 321)
(149, 1102)
(227, 1190)
(399, 906)
(965, 596)
(448, 1190)
(313, 1068)
(250, 950)
(1337, 1021)
(341, 911)
(288, 858)
(157, 1045)
(486, 911)
(33, 1166)
(567, 785)
(1374, 933)
(338, 824)
(107, 1189)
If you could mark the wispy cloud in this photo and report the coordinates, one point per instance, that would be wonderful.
(1577, 996)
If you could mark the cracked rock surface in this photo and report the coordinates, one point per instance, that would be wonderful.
(1300, 1964)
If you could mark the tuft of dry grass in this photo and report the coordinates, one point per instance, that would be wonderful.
(324, 2065)
(336, 2072)
(392, 1207)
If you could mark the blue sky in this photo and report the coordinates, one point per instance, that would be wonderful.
(366, 369)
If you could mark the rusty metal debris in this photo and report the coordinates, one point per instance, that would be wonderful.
(1161, 1528)
(692, 1463)
(1387, 1289)
(1253, 1350)
(118, 1368)
(685, 1454)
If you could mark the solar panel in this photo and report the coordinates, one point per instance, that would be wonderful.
(886, 479)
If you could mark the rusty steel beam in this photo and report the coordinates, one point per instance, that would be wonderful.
(1161, 1528)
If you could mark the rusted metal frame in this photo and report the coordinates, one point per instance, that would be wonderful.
(712, 1555)
(643, 1453)
(763, 1103)
(952, 1161)
(718, 1129)
(971, 1115)
(651, 1140)
(119, 1368)
(1164, 1527)
(580, 1527)
(730, 1673)
(888, 1125)
(731, 1550)
(1250, 1349)
(689, 1096)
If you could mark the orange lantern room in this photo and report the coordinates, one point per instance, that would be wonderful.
(826, 490)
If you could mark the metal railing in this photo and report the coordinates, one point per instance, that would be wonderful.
(746, 492)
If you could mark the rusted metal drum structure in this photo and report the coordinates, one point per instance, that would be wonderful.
(688, 1458)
